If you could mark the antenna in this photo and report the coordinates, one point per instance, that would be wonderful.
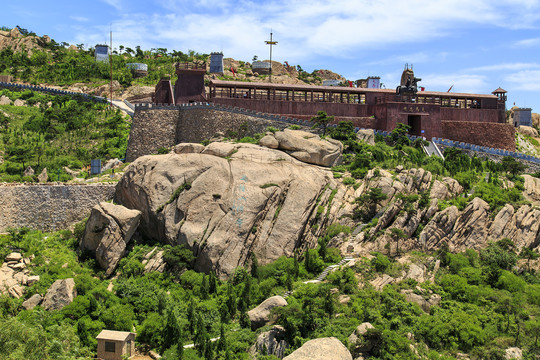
(271, 43)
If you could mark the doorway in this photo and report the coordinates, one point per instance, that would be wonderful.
(415, 122)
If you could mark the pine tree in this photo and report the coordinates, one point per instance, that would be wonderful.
(231, 300)
(191, 315)
(254, 266)
(212, 283)
(222, 342)
(289, 282)
(296, 266)
(171, 331)
(204, 288)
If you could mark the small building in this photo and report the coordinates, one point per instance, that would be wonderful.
(5, 78)
(113, 345)
(102, 53)
(523, 117)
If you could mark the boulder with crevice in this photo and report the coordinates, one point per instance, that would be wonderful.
(310, 148)
(108, 231)
(227, 202)
(271, 342)
(61, 293)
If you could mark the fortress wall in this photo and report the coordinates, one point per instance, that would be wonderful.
(470, 115)
(49, 207)
(196, 125)
(480, 133)
(151, 129)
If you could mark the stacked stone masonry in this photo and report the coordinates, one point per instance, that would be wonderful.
(163, 127)
(49, 207)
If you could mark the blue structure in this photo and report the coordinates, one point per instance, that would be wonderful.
(102, 53)
(216, 63)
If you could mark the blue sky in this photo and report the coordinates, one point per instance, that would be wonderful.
(475, 45)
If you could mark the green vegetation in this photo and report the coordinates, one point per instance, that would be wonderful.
(57, 131)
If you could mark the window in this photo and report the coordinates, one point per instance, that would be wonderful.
(110, 346)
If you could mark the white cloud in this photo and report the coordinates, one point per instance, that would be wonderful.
(527, 43)
(463, 83)
(308, 29)
(506, 67)
(117, 4)
(79, 18)
(526, 80)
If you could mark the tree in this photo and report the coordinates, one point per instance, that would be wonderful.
(371, 200)
(204, 288)
(321, 120)
(397, 235)
(398, 136)
(212, 282)
(222, 342)
(512, 166)
(254, 266)
(171, 332)
(527, 253)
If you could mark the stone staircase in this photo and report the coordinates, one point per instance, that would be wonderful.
(323, 274)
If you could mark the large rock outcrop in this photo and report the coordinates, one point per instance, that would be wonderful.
(226, 202)
(108, 231)
(271, 342)
(260, 315)
(61, 293)
(306, 147)
(321, 349)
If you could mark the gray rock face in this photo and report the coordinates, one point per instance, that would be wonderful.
(32, 302)
(366, 135)
(425, 304)
(108, 230)
(61, 293)
(269, 141)
(43, 177)
(188, 148)
(513, 353)
(310, 148)
(257, 198)
(260, 315)
(355, 338)
(321, 349)
(271, 342)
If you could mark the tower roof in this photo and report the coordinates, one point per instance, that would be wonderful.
(499, 91)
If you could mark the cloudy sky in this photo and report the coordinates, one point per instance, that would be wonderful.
(475, 45)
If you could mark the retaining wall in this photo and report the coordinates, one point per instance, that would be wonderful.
(49, 207)
(157, 126)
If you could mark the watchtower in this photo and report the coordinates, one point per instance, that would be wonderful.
(216, 63)
(190, 84)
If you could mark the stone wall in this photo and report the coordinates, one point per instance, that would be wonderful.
(200, 124)
(480, 133)
(151, 129)
(165, 126)
(49, 207)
